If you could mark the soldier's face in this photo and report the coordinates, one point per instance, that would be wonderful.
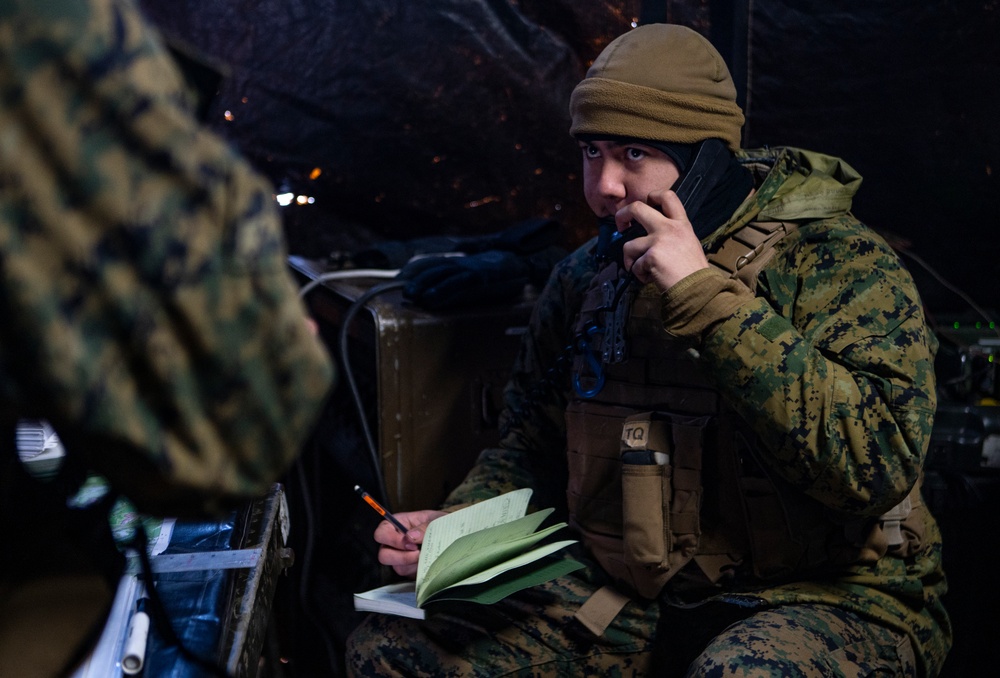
(616, 173)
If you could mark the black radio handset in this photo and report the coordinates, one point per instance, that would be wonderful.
(709, 164)
(604, 340)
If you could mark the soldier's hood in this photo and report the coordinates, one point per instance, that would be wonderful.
(794, 185)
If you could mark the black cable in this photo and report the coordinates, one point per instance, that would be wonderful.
(355, 307)
(346, 365)
(951, 288)
(305, 571)
(310, 531)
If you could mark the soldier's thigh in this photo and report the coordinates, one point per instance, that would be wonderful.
(532, 633)
(806, 641)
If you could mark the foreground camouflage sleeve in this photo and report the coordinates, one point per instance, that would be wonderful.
(145, 303)
(532, 451)
(832, 364)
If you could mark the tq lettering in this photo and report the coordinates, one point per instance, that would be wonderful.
(634, 435)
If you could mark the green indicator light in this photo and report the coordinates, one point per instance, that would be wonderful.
(955, 325)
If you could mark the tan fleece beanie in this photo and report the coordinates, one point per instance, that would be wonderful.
(659, 82)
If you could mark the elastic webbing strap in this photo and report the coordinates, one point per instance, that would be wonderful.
(601, 609)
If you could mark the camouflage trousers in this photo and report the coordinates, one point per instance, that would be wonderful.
(534, 633)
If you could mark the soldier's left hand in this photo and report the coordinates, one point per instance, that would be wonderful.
(670, 250)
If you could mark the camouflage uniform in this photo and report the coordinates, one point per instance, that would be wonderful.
(147, 309)
(831, 363)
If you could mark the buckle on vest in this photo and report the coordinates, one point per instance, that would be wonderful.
(892, 519)
(617, 299)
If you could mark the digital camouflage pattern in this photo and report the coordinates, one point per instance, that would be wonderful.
(146, 308)
(530, 634)
(807, 641)
(831, 364)
(533, 633)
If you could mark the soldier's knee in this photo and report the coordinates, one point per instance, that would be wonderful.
(770, 658)
(717, 661)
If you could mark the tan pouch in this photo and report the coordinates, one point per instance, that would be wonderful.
(661, 496)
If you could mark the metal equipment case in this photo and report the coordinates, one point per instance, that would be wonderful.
(430, 383)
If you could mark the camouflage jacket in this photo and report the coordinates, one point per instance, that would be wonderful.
(146, 308)
(830, 362)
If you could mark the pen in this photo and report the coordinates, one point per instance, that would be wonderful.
(134, 653)
(370, 500)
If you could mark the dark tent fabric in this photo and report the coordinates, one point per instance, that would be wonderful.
(404, 119)
(412, 118)
(909, 94)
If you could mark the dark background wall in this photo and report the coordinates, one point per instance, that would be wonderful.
(430, 116)
(909, 94)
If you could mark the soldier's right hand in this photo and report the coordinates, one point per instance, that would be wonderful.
(402, 551)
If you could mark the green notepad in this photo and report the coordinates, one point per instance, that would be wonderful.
(481, 554)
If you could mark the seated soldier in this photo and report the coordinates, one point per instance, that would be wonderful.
(777, 348)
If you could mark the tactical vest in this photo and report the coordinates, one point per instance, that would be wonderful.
(663, 473)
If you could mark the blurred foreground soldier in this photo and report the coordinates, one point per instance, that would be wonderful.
(146, 312)
(739, 441)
